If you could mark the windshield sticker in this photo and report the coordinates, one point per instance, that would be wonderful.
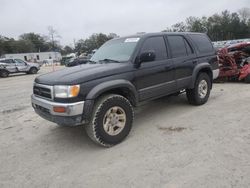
(132, 40)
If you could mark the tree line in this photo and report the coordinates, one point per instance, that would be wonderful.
(33, 42)
(220, 26)
(223, 26)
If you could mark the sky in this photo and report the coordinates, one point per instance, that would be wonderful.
(78, 19)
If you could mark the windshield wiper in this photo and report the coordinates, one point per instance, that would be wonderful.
(110, 60)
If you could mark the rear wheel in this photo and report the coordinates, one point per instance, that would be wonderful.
(4, 73)
(201, 91)
(33, 70)
(111, 120)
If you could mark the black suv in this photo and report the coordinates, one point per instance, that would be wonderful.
(122, 73)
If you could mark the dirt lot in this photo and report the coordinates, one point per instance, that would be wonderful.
(172, 144)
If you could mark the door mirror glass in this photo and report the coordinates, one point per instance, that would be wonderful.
(147, 56)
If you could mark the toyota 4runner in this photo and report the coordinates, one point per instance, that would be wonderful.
(122, 73)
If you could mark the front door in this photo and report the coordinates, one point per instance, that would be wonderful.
(156, 78)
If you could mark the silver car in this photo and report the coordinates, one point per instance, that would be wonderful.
(9, 66)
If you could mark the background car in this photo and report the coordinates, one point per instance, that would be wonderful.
(9, 66)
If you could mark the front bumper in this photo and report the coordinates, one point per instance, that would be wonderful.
(72, 116)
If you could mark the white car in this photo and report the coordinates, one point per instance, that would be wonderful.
(9, 66)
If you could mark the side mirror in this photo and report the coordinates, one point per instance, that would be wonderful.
(147, 56)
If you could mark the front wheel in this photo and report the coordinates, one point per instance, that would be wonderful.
(111, 120)
(33, 70)
(201, 91)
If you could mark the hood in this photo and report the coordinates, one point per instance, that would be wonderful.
(83, 73)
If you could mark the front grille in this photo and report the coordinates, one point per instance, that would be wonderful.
(42, 91)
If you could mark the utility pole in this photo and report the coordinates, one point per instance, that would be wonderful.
(52, 35)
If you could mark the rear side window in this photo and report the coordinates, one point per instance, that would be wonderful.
(179, 46)
(156, 44)
(202, 42)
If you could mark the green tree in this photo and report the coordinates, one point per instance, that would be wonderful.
(223, 26)
(39, 42)
(93, 42)
(67, 50)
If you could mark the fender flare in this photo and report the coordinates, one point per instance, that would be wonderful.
(109, 85)
(100, 89)
(197, 69)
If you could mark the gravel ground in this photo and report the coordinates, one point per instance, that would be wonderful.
(171, 144)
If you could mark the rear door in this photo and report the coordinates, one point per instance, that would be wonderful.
(184, 59)
(11, 66)
(156, 78)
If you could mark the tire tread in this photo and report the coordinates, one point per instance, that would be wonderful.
(91, 127)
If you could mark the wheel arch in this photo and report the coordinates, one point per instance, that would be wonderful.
(203, 67)
(4, 70)
(33, 67)
(121, 87)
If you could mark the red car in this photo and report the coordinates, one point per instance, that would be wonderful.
(234, 62)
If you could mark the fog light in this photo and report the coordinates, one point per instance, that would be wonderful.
(59, 109)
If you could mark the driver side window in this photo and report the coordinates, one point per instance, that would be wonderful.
(157, 45)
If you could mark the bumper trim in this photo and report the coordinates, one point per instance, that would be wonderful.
(72, 109)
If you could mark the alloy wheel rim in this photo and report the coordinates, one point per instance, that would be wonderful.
(114, 121)
(202, 89)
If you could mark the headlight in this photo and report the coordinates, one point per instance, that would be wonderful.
(66, 91)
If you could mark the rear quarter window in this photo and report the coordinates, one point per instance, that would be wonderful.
(202, 42)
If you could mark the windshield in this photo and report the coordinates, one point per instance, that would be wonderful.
(118, 50)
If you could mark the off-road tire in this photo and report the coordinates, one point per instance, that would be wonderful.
(247, 79)
(193, 94)
(4, 73)
(95, 129)
(33, 70)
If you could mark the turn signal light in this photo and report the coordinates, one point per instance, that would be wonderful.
(59, 109)
(74, 90)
